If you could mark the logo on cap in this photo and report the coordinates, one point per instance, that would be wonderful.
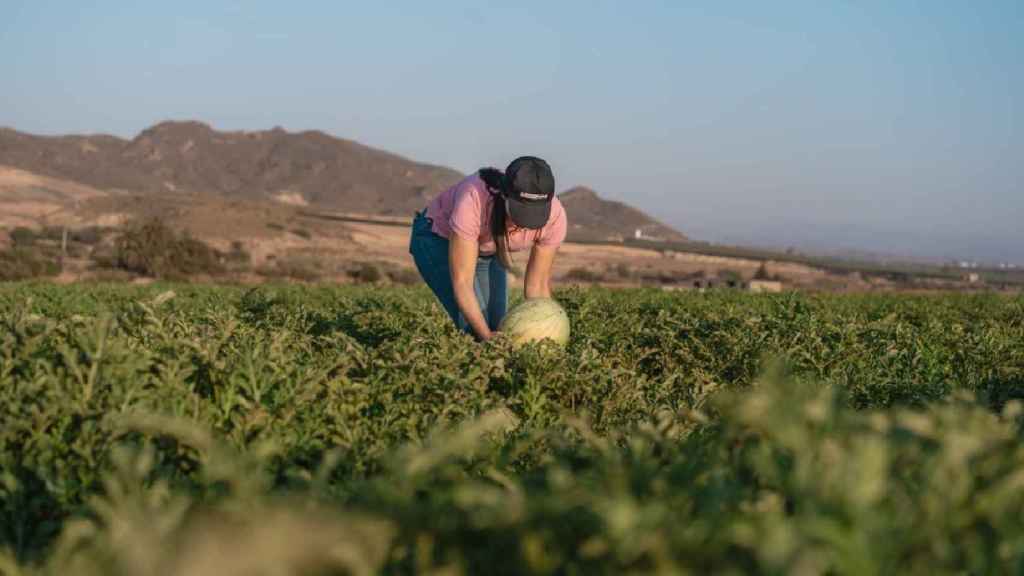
(532, 196)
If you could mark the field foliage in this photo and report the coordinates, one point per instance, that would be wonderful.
(177, 429)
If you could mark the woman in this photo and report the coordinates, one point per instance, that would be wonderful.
(462, 242)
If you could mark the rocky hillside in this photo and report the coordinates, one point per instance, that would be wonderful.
(300, 168)
(593, 218)
(177, 162)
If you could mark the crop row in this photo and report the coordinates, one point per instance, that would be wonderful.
(676, 432)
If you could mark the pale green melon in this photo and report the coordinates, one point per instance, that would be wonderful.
(536, 319)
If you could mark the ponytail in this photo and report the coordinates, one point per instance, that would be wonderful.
(495, 181)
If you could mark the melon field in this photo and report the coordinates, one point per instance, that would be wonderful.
(277, 430)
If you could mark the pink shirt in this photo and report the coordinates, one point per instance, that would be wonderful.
(466, 210)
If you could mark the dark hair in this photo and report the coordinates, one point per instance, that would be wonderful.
(497, 186)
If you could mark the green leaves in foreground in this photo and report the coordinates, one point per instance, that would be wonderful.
(288, 430)
(787, 480)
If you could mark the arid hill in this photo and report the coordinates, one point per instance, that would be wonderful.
(300, 168)
(185, 162)
(595, 219)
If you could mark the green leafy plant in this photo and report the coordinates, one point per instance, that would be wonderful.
(184, 429)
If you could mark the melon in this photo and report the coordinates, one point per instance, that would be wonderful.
(536, 319)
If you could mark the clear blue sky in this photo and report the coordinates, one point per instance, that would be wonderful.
(888, 125)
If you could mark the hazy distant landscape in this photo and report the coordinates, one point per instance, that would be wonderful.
(309, 205)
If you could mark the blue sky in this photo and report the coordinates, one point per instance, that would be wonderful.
(890, 126)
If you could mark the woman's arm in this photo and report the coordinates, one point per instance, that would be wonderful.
(538, 271)
(462, 255)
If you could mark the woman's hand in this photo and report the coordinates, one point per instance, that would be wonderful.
(538, 272)
(462, 255)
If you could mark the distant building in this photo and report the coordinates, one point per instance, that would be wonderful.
(973, 278)
(639, 235)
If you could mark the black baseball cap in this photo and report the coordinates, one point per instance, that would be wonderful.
(530, 189)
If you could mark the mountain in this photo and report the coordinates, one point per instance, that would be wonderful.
(171, 157)
(181, 163)
(592, 218)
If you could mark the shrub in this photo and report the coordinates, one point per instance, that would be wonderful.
(367, 273)
(623, 271)
(659, 277)
(238, 255)
(898, 277)
(669, 277)
(762, 274)
(22, 236)
(22, 263)
(105, 256)
(291, 269)
(192, 256)
(583, 275)
(153, 249)
(55, 233)
(76, 250)
(406, 276)
(145, 248)
(109, 275)
(730, 277)
(89, 235)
